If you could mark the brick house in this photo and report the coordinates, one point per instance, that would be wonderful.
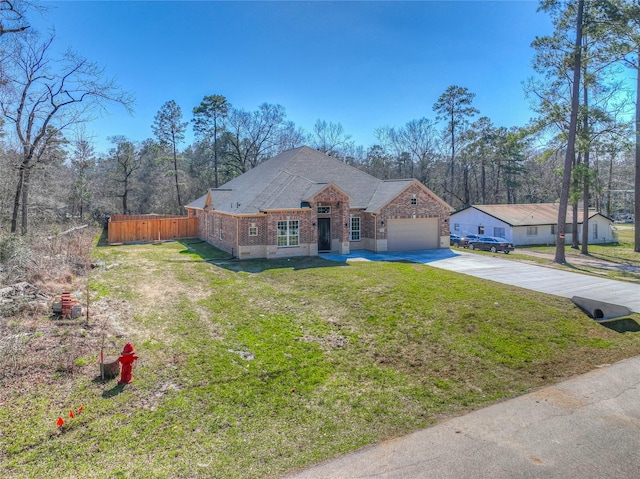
(303, 202)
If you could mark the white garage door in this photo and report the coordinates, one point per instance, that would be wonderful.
(413, 234)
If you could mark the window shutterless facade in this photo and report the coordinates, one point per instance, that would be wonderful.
(355, 228)
(288, 233)
(532, 230)
(253, 231)
(324, 210)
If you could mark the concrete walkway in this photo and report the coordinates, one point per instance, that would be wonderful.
(587, 427)
(494, 268)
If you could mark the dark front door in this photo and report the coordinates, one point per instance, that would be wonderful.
(324, 234)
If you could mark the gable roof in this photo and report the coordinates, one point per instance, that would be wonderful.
(294, 176)
(532, 214)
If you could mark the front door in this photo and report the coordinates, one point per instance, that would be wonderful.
(324, 234)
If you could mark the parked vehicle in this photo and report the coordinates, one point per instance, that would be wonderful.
(457, 240)
(468, 238)
(488, 243)
(473, 237)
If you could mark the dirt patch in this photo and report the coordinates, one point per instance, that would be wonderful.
(153, 295)
(330, 341)
(40, 348)
(115, 318)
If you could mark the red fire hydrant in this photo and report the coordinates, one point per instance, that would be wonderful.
(127, 357)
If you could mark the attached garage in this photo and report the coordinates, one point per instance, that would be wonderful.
(413, 234)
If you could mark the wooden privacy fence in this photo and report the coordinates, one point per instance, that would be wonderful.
(148, 228)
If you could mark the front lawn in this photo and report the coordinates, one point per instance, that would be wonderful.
(252, 369)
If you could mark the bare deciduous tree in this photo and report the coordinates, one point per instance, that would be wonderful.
(12, 16)
(329, 138)
(42, 99)
(413, 145)
(124, 158)
(82, 163)
(253, 136)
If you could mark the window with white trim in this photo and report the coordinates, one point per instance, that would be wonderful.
(414, 201)
(594, 229)
(288, 233)
(532, 231)
(253, 231)
(324, 210)
(355, 228)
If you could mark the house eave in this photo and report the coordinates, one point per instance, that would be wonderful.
(409, 184)
(326, 186)
(280, 210)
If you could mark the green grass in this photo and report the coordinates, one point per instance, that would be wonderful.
(251, 369)
(622, 252)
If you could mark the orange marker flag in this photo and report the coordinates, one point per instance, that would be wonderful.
(60, 422)
(71, 415)
(80, 409)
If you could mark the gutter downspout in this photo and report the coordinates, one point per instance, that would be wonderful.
(237, 236)
(375, 232)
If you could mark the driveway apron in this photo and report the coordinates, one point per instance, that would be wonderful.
(494, 268)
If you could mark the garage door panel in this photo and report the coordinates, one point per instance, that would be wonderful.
(413, 234)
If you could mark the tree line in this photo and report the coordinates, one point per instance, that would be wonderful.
(582, 147)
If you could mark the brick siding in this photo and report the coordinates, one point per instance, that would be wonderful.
(371, 226)
(218, 229)
(428, 206)
(339, 203)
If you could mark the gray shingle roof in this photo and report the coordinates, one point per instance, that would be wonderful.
(531, 214)
(293, 176)
(198, 203)
(385, 191)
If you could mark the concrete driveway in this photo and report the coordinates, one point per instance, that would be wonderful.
(494, 268)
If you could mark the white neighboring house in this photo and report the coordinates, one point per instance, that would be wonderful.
(528, 224)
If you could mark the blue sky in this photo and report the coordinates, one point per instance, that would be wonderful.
(362, 64)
